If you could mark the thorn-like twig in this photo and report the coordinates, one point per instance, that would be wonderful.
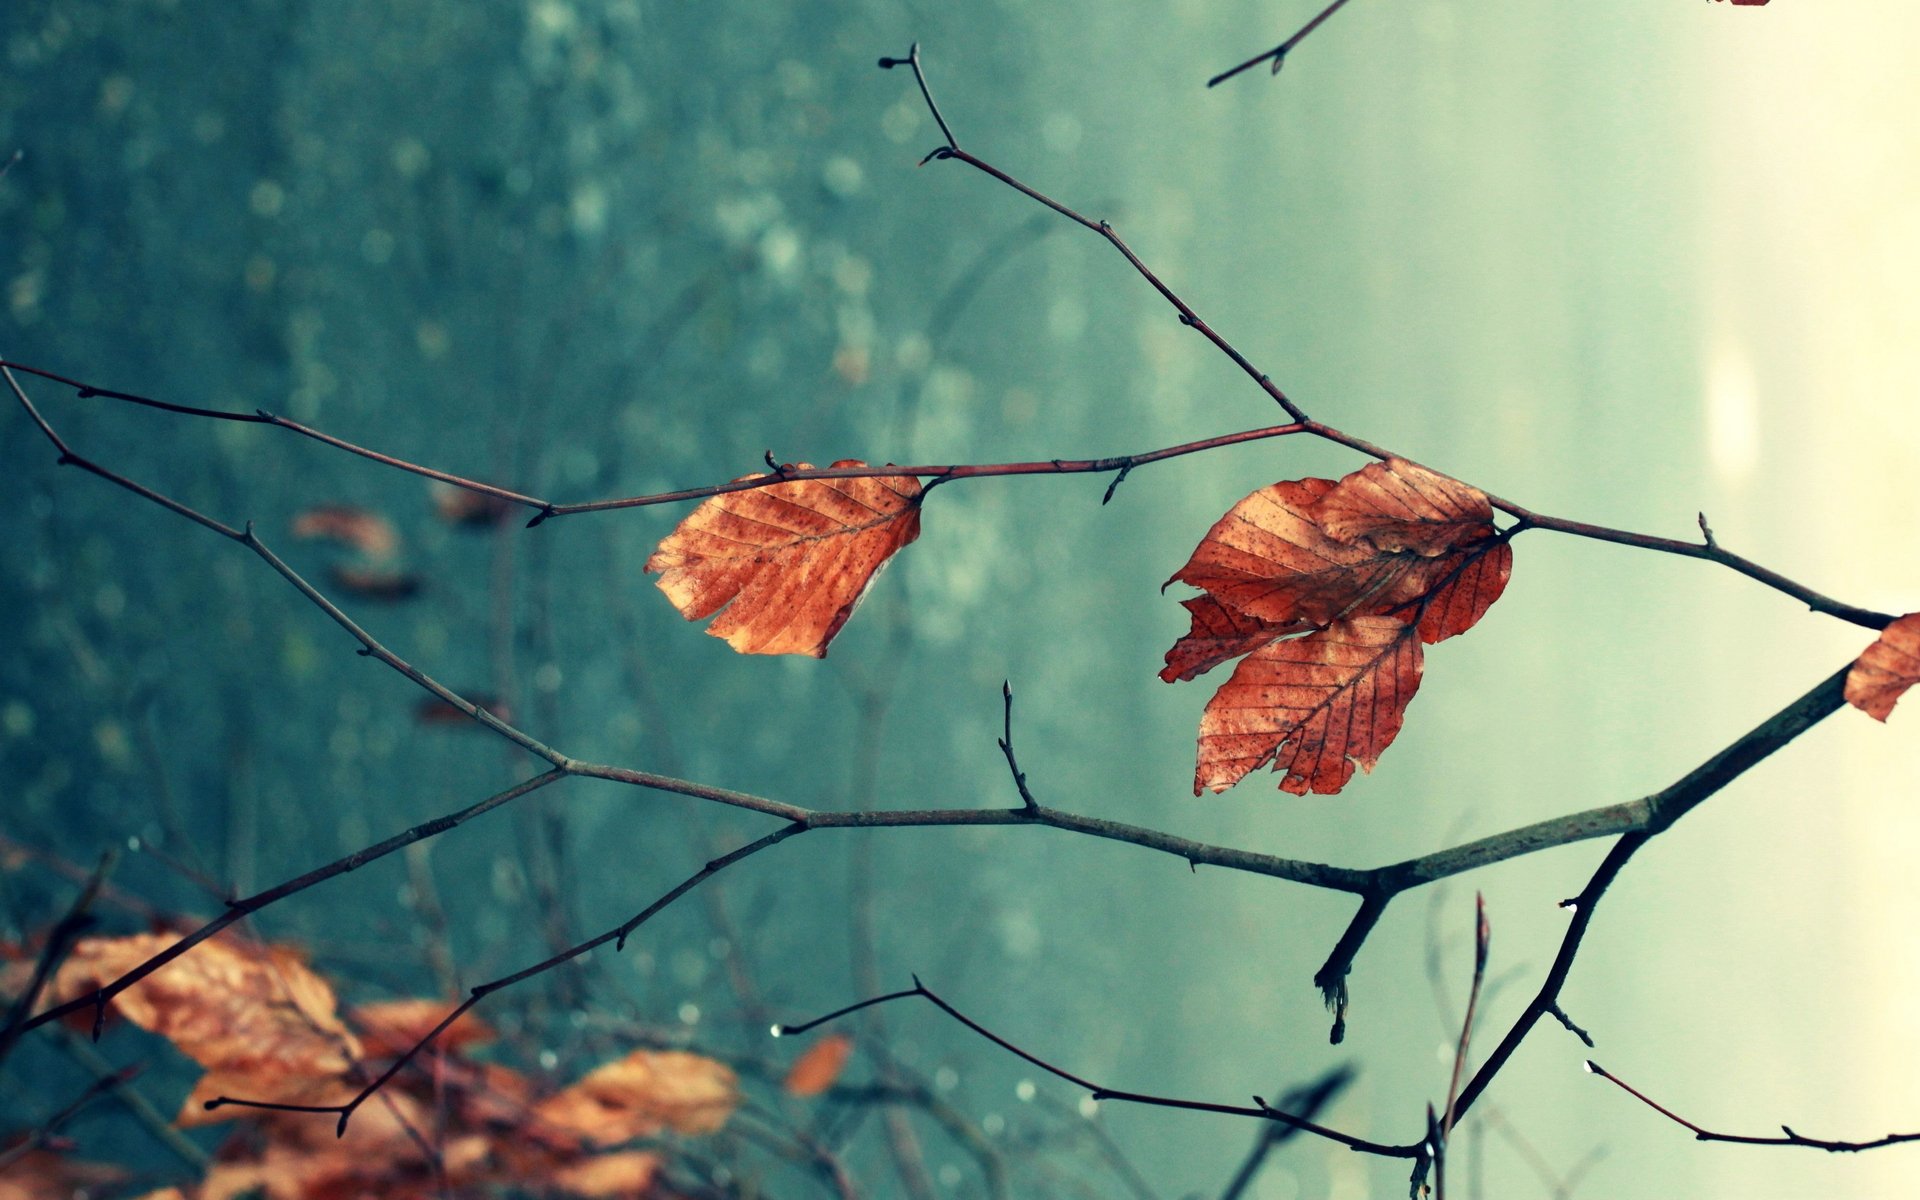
(1117, 481)
(1006, 747)
(1706, 531)
(1559, 1014)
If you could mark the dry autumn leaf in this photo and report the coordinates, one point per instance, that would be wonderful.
(789, 561)
(368, 532)
(816, 1070)
(1366, 563)
(1268, 559)
(1314, 706)
(393, 1027)
(256, 1017)
(1398, 505)
(1884, 672)
(375, 583)
(644, 1094)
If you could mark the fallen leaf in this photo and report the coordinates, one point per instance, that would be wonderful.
(469, 509)
(375, 583)
(643, 1094)
(1884, 672)
(816, 1070)
(357, 528)
(393, 1027)
(789, 561)
(1398, 505)
(1315, 706)
(625, 1173)
(256, 1017)
(45, 1175)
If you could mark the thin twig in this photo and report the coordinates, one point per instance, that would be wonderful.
(1279, 53)
(60, 939)
(1788, 1136)
(1006, 748)
(1307, 1100)
(1260, 1109)
(1482, 934)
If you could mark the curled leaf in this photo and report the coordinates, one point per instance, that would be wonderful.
(1315, 706)
(816, 1070)
(788, 561)
(1884, 672)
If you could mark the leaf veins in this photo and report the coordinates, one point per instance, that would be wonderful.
(788, 561)
(1368, 567)
(1398, 505)
(1315, 706)
(1890, 666)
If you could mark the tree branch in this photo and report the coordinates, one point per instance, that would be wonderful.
(1788, 1138)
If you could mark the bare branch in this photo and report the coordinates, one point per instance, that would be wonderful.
(1788, 1136)
(1279, 53)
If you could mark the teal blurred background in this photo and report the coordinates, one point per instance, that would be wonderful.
(1619, 262)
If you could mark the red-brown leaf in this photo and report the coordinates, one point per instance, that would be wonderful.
(1398, 505)
(788, 561)
(375, 583)
(368, 532)
(1315, 706)
(816, 1070)
(469, 509)
(1270, 560)
(393, 1027)
(1219, 633)
(1460, 601)
(1890, 666)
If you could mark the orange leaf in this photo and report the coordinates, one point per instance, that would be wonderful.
(1219, 633)
(1314, 705)
(815, 1071)
(625, 1173)
(1398, 505)
(642, 1094)
(1270, 560)
(1890, 666)
(260, 1021)
(368, 532)
(789, 560)
(393, 1027)
(1461, 599)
